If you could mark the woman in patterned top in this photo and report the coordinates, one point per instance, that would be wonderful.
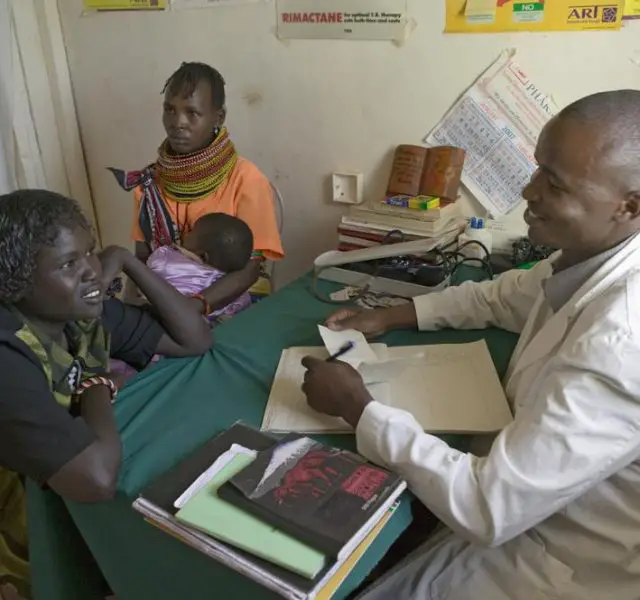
(57, 332)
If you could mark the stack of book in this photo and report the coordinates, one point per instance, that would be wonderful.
(364, 227)
(420, 201)
(291, 514)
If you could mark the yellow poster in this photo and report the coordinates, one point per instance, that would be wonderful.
(124, 4)
(632, 9)
(492, 16)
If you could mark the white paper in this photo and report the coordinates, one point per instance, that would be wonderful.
(383, 371)
(342, 19)
(373, 367)
(497, 122)
(449, 388)
(455, 388)
(336, 340)
(205, 477)
(287, 408)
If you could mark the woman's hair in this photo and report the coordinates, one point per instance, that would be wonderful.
(186, 79)
(29, 221)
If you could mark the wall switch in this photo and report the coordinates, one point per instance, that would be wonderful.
(347, 187)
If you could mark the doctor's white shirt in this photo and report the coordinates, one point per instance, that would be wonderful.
(553, 510)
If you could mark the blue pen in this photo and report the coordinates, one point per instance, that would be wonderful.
(348, 346)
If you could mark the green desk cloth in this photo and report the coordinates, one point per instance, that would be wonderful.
(165, 413)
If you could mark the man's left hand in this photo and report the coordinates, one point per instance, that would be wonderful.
(335, 388)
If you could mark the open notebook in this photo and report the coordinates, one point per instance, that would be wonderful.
(447, 388)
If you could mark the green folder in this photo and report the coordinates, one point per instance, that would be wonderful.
(208, 513)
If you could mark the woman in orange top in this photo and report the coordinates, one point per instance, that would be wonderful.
(197, 172)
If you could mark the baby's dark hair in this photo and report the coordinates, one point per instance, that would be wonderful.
(29, 221)
(185, 80)
(226, 240)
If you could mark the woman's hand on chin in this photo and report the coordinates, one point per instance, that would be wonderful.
(113, 260)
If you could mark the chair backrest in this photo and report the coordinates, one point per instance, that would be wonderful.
(279, 207)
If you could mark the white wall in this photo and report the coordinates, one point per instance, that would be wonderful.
(303, 109)
(40, 140)
(7, 155)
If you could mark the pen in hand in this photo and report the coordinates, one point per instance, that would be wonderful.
(348, 346)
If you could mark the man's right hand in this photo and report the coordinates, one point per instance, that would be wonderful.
(372, 323)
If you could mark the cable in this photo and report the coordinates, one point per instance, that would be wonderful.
(328, 300)
(450, 261)
(485, 262)
(387, 240)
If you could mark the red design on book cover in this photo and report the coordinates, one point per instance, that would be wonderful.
(311, 476)
(364, 482)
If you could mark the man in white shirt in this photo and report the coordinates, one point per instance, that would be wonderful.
(553, 510)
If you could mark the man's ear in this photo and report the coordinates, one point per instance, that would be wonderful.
(630, 209)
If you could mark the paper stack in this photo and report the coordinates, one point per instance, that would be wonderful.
(448, 388)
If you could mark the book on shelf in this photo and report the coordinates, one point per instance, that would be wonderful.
(445, 212)
(420, 171)
(184, 502)
(354, 237)
(387, 215)
(410, 230)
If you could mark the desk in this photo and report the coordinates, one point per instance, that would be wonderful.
(163, 415)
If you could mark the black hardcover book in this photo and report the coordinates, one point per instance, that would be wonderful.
(321, 495)
(164, 490)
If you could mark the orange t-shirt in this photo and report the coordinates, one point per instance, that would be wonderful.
(247, 194)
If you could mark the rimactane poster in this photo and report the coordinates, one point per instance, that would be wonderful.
(342, 19)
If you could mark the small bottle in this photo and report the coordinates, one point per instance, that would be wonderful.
(475, 232)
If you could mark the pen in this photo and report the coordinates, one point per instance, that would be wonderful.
(348, 346)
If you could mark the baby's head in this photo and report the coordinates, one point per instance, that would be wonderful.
(221, 241)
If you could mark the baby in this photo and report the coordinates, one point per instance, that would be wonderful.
(217, 244)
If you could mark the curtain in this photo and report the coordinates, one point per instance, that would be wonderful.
(7, 146)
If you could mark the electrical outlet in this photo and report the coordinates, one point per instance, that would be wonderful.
(347, 187)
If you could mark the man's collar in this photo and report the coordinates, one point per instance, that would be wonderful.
(564, 283)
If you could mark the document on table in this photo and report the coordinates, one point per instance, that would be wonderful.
(447, 388)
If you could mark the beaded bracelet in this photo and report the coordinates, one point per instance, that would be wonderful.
(93, 382)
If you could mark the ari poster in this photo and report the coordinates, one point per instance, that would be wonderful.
(342, 19)
(497, 121)
(631, 9)
(124, 4)
(491, 16)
